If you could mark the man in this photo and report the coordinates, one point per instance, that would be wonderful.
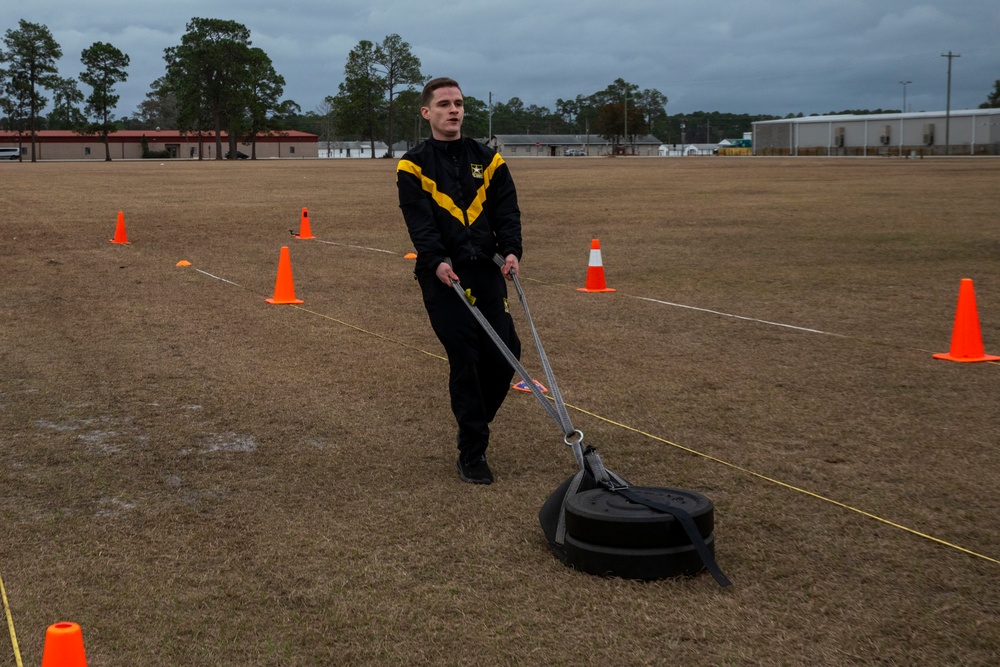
(460, 207)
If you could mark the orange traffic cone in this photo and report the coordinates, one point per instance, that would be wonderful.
(595, 271)
(966, 339)
(120, 236)
(284, 288)
(63, 646)
(305, 230)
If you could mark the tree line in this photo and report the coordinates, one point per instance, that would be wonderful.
(29, 55)
(215, 82)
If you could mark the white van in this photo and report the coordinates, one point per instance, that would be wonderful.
(9, 153)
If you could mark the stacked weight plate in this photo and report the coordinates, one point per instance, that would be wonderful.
(608, 535)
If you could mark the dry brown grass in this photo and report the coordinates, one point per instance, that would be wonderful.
(200, 478)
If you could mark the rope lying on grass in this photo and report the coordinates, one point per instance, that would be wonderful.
(786, 485)
(10, 624)
(333, 319)
(632, 429)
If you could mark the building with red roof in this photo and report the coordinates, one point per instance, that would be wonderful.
(128, 145)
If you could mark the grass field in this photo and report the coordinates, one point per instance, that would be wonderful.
(197, 477)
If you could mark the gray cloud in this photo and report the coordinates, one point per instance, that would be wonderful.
(772, 57)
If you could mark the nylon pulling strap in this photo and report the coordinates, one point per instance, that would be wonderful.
(690, 529)
(556, 408)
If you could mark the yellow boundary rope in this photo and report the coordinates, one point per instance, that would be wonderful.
(708, 457)
(786, 485)
(10, 624)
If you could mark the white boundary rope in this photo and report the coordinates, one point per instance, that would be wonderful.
(739, 317)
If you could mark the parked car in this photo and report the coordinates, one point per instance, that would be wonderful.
(240, 155)
(574, 151)
(9, 153)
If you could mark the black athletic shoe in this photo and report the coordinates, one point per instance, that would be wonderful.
(475, 472)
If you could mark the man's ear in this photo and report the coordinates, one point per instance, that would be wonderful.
(425, 112)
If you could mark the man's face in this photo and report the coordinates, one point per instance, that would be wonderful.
(445, 113)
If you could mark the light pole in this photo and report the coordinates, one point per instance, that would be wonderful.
(905, 83)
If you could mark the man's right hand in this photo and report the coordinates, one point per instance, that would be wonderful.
(445, 274)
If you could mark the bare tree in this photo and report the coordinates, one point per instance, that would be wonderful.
(399, 68)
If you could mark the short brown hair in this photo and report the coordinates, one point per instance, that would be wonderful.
(441, 82)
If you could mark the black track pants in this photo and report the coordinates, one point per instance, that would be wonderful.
(480, 377)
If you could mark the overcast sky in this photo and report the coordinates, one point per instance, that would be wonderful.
(762, 57)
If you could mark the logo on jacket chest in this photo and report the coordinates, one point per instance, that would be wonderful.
(477, 171)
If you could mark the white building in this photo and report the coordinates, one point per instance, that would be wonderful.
(963, 132)
(675, 150)
(351, 149)
(558, 145)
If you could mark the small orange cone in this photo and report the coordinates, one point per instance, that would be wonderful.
(63, 646)
(305, 229)
(284, 288)
(523, 386)
(966, 339)
(410, 255)
(595, 271)
(121, 237)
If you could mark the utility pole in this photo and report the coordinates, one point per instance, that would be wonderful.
(947, 112)
(905, 84)
(490, 138)
(626, 122)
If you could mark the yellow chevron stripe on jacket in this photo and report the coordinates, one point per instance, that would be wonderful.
(446, 202)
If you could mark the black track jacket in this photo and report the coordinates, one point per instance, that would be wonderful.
(458, 200)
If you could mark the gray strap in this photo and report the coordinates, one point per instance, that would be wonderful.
(507, 354)
(603, 476)
(574, 486)
(564, 419)
(556, 408)
(571, 436)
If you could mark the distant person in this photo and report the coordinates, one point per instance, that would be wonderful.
(460, 208)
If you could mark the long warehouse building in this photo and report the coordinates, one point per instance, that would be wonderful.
(915, 134)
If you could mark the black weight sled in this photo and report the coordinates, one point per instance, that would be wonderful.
(599, 524)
